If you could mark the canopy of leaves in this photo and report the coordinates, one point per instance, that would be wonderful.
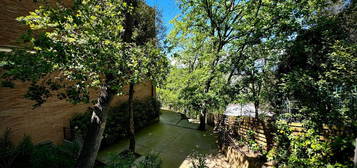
(210, 39)
(322, 62)
(83, 46)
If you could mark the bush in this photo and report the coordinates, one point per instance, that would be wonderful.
(308, 149)
(199, 160)
(152, 160)
(127, 160)
(120, 161)
(15, 155)
(251, 142)
(53, 156)
(117, 123)
(6, 83)
(25, 154)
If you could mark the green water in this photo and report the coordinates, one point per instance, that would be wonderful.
(174, 142)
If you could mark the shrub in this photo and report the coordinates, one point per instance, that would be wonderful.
(308, 149)
(80, 122)
(46, 156)
(127, 160)
(6, 83)
(250, 141)
(25, 154)
(144, 113)
(54, 156)
(252, 144)
(199, 160)
(120, 161)
(152, 160)
(15, 155)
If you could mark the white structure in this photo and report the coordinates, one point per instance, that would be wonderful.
(243, 110)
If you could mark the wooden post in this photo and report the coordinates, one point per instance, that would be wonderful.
(355, 158)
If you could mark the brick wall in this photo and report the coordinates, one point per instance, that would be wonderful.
(10, 29)
(45, 122)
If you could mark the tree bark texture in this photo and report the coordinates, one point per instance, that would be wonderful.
(256, 107)
(203, 114)
(95, 132)
(131, 119)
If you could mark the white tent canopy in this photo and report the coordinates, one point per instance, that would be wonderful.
(243, 110)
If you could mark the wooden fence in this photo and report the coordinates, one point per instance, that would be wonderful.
(230, 128)
(261, 131)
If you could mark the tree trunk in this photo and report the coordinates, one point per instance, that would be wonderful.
(127, 37)
(203, 112)
(207, 89)
(355, 157)
(94, 135)
(256, 107)
(202, 125)
(131, 129)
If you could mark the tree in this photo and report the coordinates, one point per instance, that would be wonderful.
(79, 49)
(209, 26)
(148, 62)
(128, 38)
(252, 78)
(169, 94)
(211, 36)
(317, 71)
(321, 61)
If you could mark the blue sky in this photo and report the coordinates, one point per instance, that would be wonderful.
(168, 8)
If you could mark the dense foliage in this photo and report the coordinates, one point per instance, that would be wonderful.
(151, 160)
(89, 50)
(46, 155)
(310, 149)
(296, 59)
(26, 154)
(146, 112)
(214, 44)
(317, 76)
(85, 45)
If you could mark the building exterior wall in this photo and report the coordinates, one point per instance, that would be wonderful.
(10, 29)
(46, 122)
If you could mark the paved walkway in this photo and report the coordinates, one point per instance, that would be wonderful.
(172, 140)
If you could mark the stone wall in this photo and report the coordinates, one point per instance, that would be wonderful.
(47, 121)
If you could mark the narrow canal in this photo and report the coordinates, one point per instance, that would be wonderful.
(173, 140)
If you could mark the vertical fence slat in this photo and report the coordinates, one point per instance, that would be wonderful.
(355, 158)
(241, 125)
